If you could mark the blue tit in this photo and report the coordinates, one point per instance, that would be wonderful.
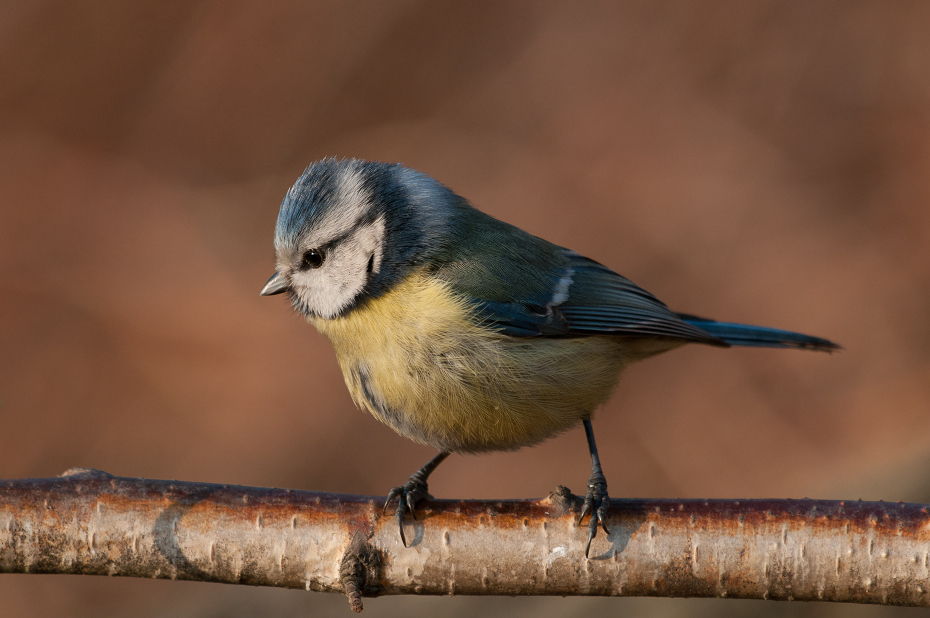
(463, 332)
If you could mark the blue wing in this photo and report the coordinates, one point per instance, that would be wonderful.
(524, 286)
(599, 301)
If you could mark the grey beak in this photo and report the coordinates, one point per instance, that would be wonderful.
(276, 285)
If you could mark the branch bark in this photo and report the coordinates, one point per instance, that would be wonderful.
(89, 522)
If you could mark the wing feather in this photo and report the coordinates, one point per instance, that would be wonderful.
(524, 286)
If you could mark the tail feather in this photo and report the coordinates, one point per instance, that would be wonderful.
(758, 336)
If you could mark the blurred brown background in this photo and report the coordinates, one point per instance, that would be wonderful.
(766, 162)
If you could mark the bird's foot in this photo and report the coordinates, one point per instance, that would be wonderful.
(596, 503)
(408, 495)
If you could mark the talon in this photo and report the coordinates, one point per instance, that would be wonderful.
(391, 495)
(596, 500)
(592, 529)
(584, 510)
(597, 503)
(400, 523)
(407, 497)
(588, 544)
(603, 517)
(412, 492)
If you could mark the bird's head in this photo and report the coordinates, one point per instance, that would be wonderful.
(351, 229)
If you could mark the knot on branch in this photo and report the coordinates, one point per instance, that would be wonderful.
(88, 473)
(564, 501)
(354, 572)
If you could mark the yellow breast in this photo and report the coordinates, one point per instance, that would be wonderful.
(418, 360)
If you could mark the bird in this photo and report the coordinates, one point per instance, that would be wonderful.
(463, 332)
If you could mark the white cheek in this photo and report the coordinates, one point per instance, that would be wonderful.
(327, 291)
(369, 241)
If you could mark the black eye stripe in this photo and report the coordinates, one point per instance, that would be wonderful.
(338, 240)
(313, 258)
(309, 262)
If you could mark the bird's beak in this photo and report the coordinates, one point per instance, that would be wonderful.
(276, 285)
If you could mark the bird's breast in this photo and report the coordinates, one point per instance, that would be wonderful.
(420, 361)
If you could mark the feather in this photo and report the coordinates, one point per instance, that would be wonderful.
(759, 336)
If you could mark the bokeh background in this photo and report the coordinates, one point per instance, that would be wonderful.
(761, 161)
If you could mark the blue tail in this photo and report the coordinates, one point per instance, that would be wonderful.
(758, 336)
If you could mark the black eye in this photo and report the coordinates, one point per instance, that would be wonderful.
(312, 259)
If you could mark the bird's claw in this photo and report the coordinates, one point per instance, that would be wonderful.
(596, 503)
(408, 495)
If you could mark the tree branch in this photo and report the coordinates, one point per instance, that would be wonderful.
(90, 522)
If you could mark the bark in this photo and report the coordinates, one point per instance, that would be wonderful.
(89, 522)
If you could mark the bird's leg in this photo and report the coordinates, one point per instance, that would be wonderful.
(412, 492)
(596, 501)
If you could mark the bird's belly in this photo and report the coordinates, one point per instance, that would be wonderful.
(439, 378)
(488, 395)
